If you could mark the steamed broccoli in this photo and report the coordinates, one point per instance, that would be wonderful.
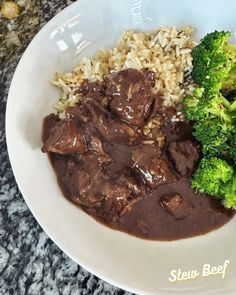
(229, 84)
(213, 136)
(214, 70)
(232, 146)
(216, 177)
(211, 175)
(228, 191)
(206, 104)
(215, 105)
(191, 103)
(213, 60)
(212, 107)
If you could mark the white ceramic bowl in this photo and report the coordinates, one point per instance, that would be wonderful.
(137, 265)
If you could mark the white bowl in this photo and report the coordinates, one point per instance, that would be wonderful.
(133, 264)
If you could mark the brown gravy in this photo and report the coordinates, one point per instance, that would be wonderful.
(123, 178)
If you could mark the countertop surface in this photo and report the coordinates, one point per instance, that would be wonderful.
(30, 263)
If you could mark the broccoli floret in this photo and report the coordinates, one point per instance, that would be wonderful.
(228, 191)
(211, 174)
(214, 69)
(214, 65)
(229, 84)
(213, 135)
(216, 177)
(232, 146)
(215, 105)
(211, 61)
(206, 104)
(191, 104)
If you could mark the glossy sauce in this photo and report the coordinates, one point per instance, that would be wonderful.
(116, 177)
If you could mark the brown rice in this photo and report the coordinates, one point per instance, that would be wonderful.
(167, 52)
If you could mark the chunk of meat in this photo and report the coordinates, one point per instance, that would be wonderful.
(68, 175)
(112, 130)
(65, 138)
(151, 166)
(82, 114)
(121, 132)
(176, 206)
(49, 122)
(120, 196)
(95, 146)
(120, 159)
(92, 90)
(78, 112)
(172, 203)
(80, 180)
(123, 188)
(86, 184)
(155, 107)
(184, 156)
(131, 95)
(137, 189)
(75, 180)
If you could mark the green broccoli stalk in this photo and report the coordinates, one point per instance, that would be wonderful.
(232, 107)
(211, 175)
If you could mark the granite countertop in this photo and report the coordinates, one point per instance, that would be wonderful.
(30, 263)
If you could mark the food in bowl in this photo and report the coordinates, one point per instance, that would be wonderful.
(124, 147)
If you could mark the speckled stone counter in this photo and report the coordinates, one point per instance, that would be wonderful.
(30, 263)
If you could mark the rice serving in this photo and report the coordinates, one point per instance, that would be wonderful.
(166, 51)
